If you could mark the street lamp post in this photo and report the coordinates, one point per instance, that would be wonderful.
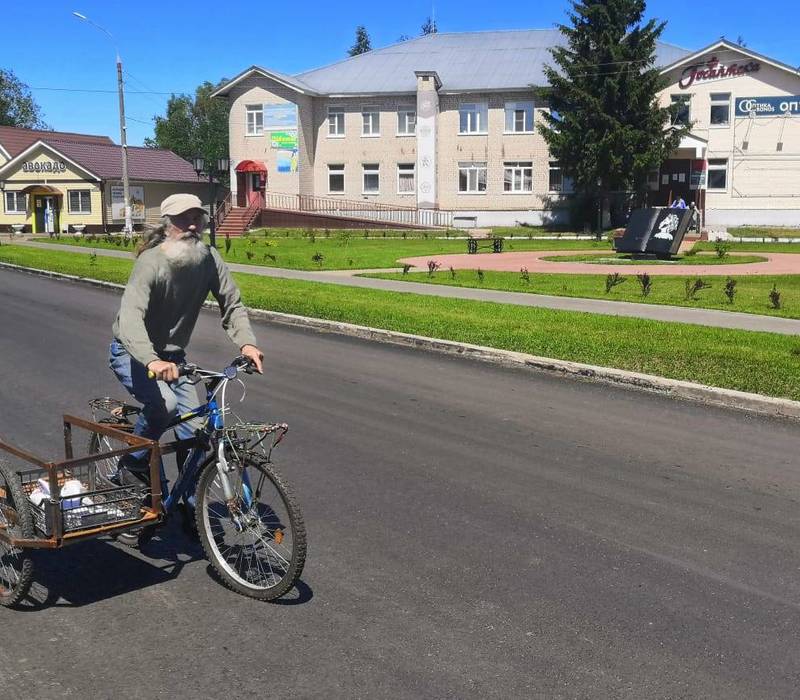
(200, 168)
(123, 130)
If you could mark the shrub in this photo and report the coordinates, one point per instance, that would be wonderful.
(433, 266)
(525, 275)
(722, 249)
(775, 297)
(646, 283)
(693, 286)
(479, 273)
(612, 280)
(318, 258)
(730, 289)
(406, 268)
(452, 273)
(694, 250)
(249, 254)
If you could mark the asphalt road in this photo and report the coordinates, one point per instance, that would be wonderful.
(473, 532)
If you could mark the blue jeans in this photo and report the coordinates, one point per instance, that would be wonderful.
(161, 402)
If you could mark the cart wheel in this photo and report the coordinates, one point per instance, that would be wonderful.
(16, 565)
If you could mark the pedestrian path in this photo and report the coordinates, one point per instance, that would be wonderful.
(349, 278)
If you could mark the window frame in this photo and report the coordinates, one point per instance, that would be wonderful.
(517, 167)
(716, 167)
(718, 102)
(413, 170)
(372, 169)
(336, 169)
(512, 108)
(686, 98)
(402, 119)
(375, 119)
(338, 110)
(474, 167)
(567, 186)
(17, 210)
(254, 110)
(79, 192)
(481, 112)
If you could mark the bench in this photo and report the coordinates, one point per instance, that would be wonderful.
(496, 244)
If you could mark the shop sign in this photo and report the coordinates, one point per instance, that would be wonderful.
(767, 106)
(118, 201)
(285, 140)
(697, 177)
(44, 166)
(714, 70)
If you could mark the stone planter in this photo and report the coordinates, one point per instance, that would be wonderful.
(78, 229)
(17, 229)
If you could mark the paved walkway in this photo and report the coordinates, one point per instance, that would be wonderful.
(677, 314)
(776, 264)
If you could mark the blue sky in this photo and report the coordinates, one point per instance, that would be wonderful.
(173, 46)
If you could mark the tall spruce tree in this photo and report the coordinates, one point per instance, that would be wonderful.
(362, 44)
(605, 126)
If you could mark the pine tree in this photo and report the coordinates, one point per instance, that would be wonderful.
(362, 44)
(429, 27)
(605, 126)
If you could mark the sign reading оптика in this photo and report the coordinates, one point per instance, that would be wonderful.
(768, 106)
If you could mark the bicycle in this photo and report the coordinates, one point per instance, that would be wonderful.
(250, 525)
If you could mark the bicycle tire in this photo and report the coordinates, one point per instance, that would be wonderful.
(16, 517)
(210, 543)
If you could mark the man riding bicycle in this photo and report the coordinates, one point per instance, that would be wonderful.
(173, 275)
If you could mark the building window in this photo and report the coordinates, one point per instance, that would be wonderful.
(406, 121)
(682, 116)
(335, 121)
(80, 202)
(370, 121)
(372, 178)
(473, 118)
(255, 120)
(557, 181)
(519, 117)
(518, 177)
(717, 173)
(472, 177)
(336, 178)
(720, 108)
(15, 203)
(406, 178)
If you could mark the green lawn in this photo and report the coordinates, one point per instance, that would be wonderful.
(628, 259)
(759, 362)
(765, 232)
(342, 252)
(752, 291)
(753, 247)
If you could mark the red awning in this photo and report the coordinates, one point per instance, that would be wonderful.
(251, 166)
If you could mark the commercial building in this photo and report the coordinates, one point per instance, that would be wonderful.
(54, 181)
(448, 122)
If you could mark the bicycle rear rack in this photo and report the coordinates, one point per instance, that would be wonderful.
(55, 473)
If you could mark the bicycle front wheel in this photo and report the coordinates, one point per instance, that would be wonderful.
(255, 541)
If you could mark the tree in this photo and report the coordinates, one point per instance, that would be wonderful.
(429, 27)
(605, 126)
(362, 44)
(17, 106)
(194, 125)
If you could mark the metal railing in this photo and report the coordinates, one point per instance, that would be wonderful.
(375, 211)
(222, 209)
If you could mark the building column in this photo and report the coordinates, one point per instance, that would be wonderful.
(428, 85)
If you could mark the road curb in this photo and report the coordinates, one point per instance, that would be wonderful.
(675, 388)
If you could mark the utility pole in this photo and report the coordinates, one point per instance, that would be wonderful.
(123, 130)
(123, 137)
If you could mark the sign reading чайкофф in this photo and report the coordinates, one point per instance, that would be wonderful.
(768, 106)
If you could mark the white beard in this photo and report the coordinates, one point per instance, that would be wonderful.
(184, 252)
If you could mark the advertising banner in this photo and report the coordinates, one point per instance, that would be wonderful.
(280, 117)
(768, 106)
(118, 200)
(287, 161)
(284, 140)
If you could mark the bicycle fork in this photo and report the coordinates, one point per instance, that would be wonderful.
(236, 508)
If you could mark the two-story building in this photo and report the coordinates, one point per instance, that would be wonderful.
(448, 121)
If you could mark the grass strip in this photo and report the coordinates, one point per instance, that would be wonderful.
(628, 259)
(763, 363)
(752, 293)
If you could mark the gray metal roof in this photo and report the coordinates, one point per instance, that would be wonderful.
(492, 60)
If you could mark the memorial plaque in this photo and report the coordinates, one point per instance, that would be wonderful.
(637, 232)
(655, 231)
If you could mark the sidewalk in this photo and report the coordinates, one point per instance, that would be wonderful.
(676, 314)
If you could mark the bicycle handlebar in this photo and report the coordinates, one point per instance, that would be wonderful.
(240, 362)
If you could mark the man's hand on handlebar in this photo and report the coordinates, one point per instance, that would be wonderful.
(256, 357)
(165, 371)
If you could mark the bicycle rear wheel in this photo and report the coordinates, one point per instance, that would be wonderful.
(16, 565)
(257, 541)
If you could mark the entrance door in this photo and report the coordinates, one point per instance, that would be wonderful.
(254, 187)
(241, 189)
(46, 213)
(674, 182)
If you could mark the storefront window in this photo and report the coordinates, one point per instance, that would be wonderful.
(80, 202)
(15, 203)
